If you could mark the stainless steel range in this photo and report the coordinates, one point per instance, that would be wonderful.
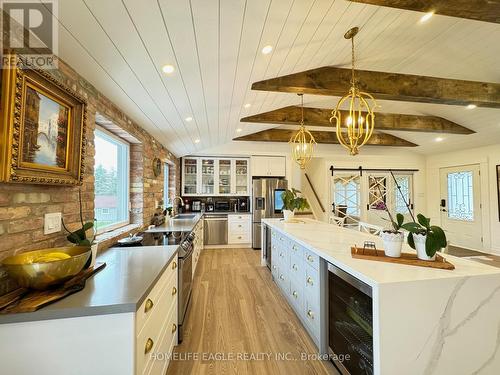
(185, 272)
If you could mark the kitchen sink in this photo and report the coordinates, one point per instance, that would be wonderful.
(184, 216)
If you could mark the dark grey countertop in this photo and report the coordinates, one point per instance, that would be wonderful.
(121, 287)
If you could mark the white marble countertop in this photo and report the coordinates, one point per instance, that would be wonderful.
(333, 244)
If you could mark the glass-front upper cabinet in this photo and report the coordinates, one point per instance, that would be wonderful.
(224, 176)
(241, 175)
(190, 176)
(207, 176)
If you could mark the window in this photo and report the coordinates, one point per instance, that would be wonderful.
(402, 196)
(111, 174)
(461, 196)
(347, 196)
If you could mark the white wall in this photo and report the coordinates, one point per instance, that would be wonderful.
(487, 158)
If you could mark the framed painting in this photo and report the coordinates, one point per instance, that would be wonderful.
(42, 128)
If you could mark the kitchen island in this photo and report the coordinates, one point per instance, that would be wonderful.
(424, 320)
(126, 312)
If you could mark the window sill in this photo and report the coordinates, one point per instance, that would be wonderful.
(107, 238)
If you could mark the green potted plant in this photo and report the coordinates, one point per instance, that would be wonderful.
(79, 236)
(427, 239)
(291, 202)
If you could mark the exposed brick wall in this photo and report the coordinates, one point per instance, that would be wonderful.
(22, 207)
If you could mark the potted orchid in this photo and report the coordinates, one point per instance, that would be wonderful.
(425, 238)
(393, 238)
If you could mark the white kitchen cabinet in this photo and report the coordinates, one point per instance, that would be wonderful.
(239, 229)
(268, 166)
(205, 176)
(297, 271)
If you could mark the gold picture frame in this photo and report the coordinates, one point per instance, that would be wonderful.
(42, 128)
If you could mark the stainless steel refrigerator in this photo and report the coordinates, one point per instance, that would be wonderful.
(266, 203)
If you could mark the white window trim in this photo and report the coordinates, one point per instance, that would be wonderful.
(114, 137)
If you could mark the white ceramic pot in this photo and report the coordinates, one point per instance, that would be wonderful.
(288, 215)
(93, 256)
(419, 240)
(393, 243)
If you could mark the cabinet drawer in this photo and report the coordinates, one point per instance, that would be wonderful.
(296, 249)
(311, 284)
(239, 238)
(297, 271)
(157, 365)
(283, 281)
(284, 259)
(311, 259)
(275, 271)
(149, 338)
(150, 303)
(312, 317)
(238, 218)
(296, 296)
(239, 227)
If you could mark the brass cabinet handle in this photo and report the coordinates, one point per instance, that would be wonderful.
(281, 238)
(281, 277)
(174, 265)
(174, 327)
(239, 237)
(309, 258)
(295, 267)
(174, 290)
(239, 225)
(310, 280)
(281, 254)
(294, 247)
(295, 294)
(310, 314)
(149, 346)
(274, 267)
(149, 305)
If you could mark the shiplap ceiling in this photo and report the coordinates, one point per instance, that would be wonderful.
(215, 46)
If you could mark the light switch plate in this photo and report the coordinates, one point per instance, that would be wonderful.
(52, 223)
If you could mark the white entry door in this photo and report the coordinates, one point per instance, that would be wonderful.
(461, 206)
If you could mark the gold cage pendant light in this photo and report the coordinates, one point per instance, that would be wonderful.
(302, 142)
(354, 128)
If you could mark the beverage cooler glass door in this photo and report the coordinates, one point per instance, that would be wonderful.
(350, 323)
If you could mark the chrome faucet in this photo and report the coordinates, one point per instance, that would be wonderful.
(174, 209)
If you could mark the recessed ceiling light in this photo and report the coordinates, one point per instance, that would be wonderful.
(196, 141)
(238, 130)
(267, 50)
(439, 139)
(248, 105)
(189, 119)
(426, 17)
(471, 106)
(168, 69)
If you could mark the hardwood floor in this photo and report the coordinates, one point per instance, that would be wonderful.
(236, 310)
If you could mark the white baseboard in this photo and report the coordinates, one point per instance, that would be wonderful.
(229, 246)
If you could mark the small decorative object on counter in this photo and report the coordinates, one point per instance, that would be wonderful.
(291, 202)
(79, 236)
(427, 239)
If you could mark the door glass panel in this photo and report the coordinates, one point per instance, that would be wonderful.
(207, 176)
(377, 192)
(190, 172)
(241, 176)
(402, 196)
(224, 176)
(461, 196)
(347, 198)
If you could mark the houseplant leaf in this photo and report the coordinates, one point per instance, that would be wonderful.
(440, 236)
(400, 219)
(423, 221)
(412, 227)
(411, 241)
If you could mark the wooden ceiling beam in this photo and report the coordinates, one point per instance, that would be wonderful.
(479, 10)
(291, 115)
(332, 81)
(284, 135)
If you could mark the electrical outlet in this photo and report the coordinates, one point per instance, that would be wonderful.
(52, 223)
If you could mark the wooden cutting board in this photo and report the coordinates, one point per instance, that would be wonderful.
(406, 258)
(24, 300)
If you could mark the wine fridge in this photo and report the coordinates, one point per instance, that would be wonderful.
(350, 323)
